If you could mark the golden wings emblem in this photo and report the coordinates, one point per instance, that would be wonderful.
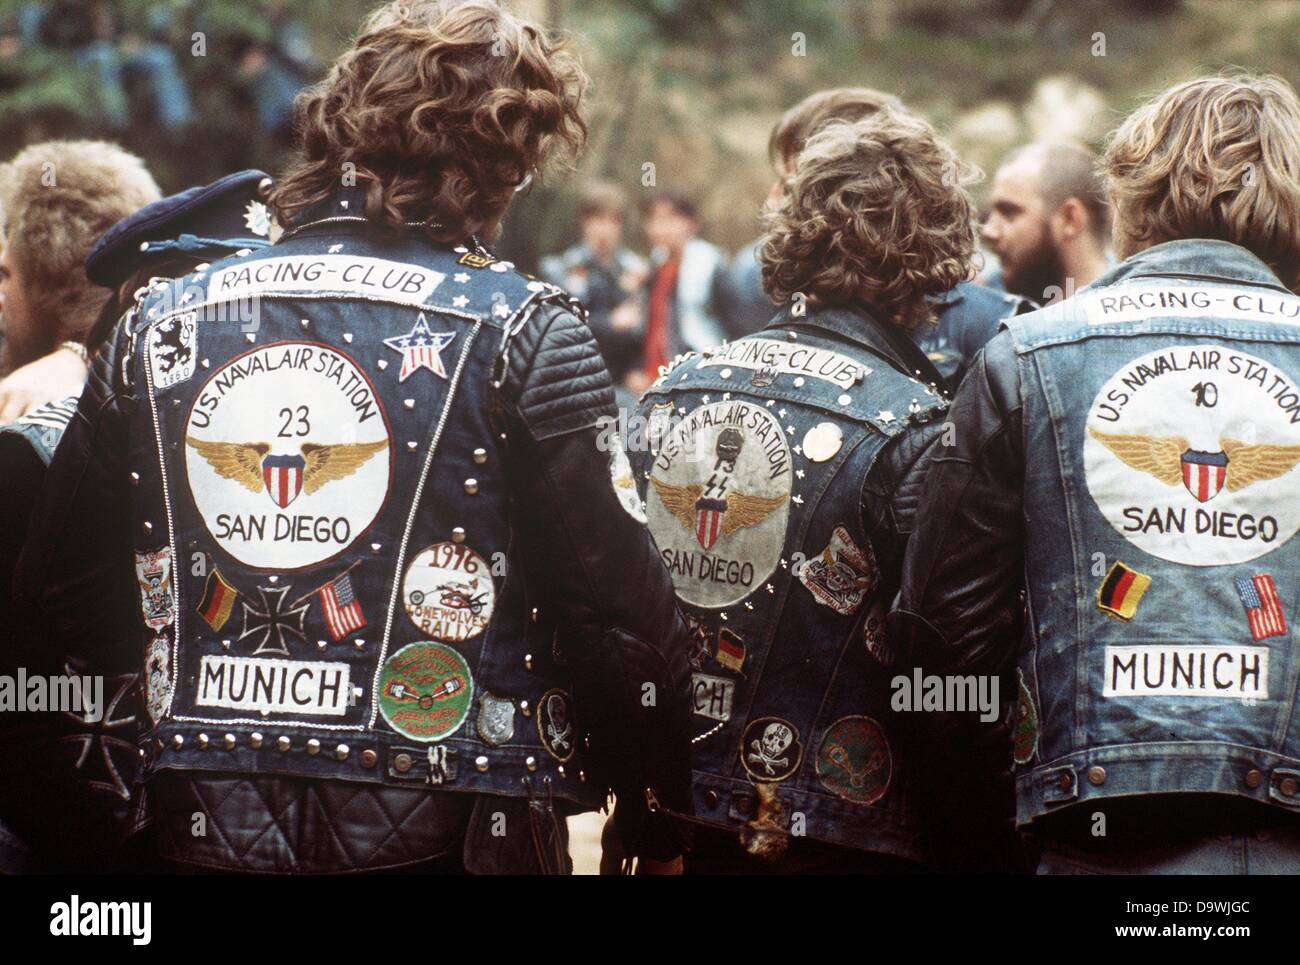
(1172, 460)
(709, 519)
(283, 477)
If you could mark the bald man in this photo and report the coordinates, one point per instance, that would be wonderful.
(1049, 222)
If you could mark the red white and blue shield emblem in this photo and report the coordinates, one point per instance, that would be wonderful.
(283, 477)
(708, 520)
(1204, 472)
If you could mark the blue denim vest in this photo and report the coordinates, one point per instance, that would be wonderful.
(753, 479)
(965, 319)
(1162, 435)
(329, 583)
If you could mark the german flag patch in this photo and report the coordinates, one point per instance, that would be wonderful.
(1122, 591)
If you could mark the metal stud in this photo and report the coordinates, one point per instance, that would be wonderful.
(144, 246)
(313, 746)
(560, 770)
(376, 547)
(147, 527)
(402, 763)
(203, 742)
(304, 323)
(408, 403)
(725, 373)
(274, 579)
(343, 204)
(251, 338)
(283, 743)
(255, 739)
(530, 762)
(383, 364)
(342, 752)
(369, 758)
(535, 614)
(845, 399)
(178, 741)
(481, 762)
(528, 661)
(471, 486)
(225, 644)
(321, 645)
(458, 534)
(798, 382)
(135, 479)
(228, 742)
(480, 456)
(361, 645)
(412, 446)
(347, 337)
(525, 708)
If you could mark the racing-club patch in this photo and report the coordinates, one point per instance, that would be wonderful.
(712, 696)
(390, 281)
(771, 357)
(1121, 591)
(620, 477)
(425, 691)
(1179, 670)
(157, 678)
(1024, 740)
(153, 571)
(1137, 303)
(854, 761)
(287, 455)
(448, 592)
(1263, 606)
(266, 685)
(842, 574)
(1191, 453)
(496, 719)
(555, 725)
(770, 750)
(171, 350)
(721, 500)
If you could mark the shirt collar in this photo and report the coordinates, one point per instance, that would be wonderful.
(1196, 258)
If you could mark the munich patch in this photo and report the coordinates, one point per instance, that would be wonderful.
(425, 691)
(448, 592)
(712, 696)
(153, 573)
(842, 574)
(770, 750)
(1191, 452)
(854, 761)
(287, 454)
(721, 500)
(1180, 670)
(267, 685)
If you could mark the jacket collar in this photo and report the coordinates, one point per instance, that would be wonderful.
(1195, 258)
(863, 324)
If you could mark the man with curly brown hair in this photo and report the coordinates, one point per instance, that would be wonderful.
(779, 483)
(394, 604)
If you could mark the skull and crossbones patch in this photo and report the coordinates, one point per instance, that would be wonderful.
(555, 725)
(770, 749)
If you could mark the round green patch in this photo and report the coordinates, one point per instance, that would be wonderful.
(1025, 739)
(854, 761)
(425, 691)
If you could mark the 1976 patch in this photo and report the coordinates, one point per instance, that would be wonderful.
(448, 592)
(854, 761)
(1191, 452)
(287, 455)
(425, 691)
(770, 749)
(720, 501)
(153, 572)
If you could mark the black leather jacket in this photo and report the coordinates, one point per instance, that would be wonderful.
(602, 579)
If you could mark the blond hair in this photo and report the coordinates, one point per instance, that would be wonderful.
(56, 199)
(1216, 157)
(875, 210)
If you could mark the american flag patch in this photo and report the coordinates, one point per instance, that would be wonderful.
(341, 606)
(1263, 608)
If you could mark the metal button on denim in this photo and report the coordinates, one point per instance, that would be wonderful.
(1253, 778)
(1097, 775)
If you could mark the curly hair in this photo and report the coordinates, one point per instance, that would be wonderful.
(1216, 157)
(443, 108)
(57, 198)
(875, 210)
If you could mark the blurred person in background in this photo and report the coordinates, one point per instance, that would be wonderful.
(606, 276)
(685, 291)
(71, 810)
(966, 317)
(1049, 222)
(56, 199)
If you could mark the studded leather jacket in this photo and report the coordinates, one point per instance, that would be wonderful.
(777, 476)
(343, 499)
(1132, 452)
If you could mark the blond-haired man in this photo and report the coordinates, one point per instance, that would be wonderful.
(1135, 452)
